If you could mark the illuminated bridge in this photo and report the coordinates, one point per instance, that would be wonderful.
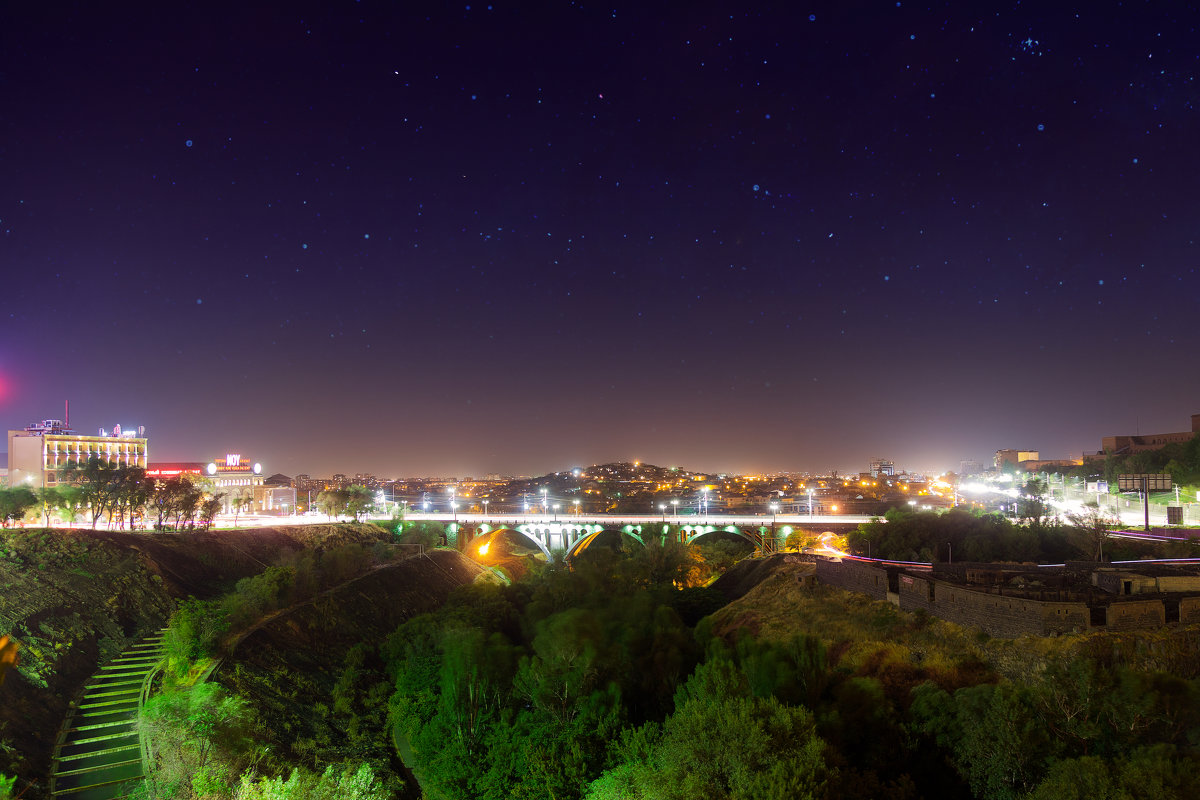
(574, 533)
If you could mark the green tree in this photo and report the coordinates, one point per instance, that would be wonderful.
(240, 500)
(1033, 506)
(187, 503)
(93, 478)
(1090, 529)
(48, 499)
(344, 783)
(202, 737)
(1003, 745)
(165, 498)
(359, 501)
(15, 503)
(333, 502)
(721, 742)
(209, 508)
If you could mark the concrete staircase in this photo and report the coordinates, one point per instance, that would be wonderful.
(99, 754)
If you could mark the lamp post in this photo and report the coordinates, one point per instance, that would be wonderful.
(556, 512)
(663, 508)
(675, 508)
(913, 504)
(810, 503)
(454, 509)
(704, 500)
(578, 512)
(545, 501)
(485, 504)
(774, 509)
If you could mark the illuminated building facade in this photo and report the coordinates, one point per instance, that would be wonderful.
(230, 476)
(37, 454)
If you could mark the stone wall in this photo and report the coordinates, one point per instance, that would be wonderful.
(854, 576)
(1005, 615)
(997, 614)
(1189, 610)
(1134, 614)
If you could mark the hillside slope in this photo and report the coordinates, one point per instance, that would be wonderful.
(73, 599)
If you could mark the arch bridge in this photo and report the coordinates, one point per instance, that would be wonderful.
(572, 535)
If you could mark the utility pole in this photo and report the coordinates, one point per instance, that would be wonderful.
(1146, 499)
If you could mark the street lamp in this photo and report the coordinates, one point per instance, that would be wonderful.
(545, 500)
(774, 508)
(913, 503)
(663, 508)
(485, 504)
(577, 511)
(454, 508)
(810, 503)
(674, 508)
(556, 512)
(704, 500)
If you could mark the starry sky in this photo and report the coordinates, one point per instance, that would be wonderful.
(463, 238)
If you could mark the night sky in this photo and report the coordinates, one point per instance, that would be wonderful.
(421, 239)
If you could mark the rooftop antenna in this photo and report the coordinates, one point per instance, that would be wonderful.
(67, 421)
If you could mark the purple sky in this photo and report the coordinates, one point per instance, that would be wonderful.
(457, 239)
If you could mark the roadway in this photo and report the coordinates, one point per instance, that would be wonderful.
(716, 520)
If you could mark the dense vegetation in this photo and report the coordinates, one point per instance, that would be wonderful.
(1181, 460)
(207, 743)
(593, 684)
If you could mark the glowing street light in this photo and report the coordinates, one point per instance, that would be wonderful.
(577, 511)
(454, 508)
(674, 508)
(555, 512)
(774, 508)
(810, 503)
(485, 504)
(545, 501)
(663, 508)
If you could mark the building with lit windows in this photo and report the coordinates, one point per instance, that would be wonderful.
(38, 454)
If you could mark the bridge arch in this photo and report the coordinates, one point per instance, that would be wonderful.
(690, 533)
(584, 542)
(488, 530)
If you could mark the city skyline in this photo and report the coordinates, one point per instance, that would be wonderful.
(483, 239)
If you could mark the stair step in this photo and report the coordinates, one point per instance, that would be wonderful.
(103, 717)
(86, 770)
(102, 726)
(100, 741)
(102, 776)
(127, 673)
(105, 752)
(128, 704)
(123, 692)
(99, 745)
(133, 663)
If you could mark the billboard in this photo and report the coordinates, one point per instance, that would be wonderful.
(1150, 481)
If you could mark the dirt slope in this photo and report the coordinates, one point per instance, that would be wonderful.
(288, 668)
